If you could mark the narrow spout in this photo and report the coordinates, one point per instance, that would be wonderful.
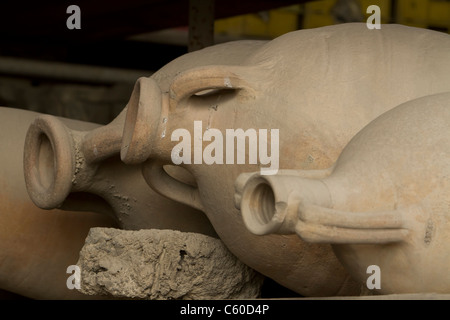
(59, 160)
(141, 122)
(49, 163)
(269, 204)
(104, 141)
(288, 204)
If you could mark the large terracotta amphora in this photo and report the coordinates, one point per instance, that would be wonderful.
(384, 205)
(298, 99)
(73, 166)
(36, 246)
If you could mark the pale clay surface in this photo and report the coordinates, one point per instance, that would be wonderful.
(320, 87)
(163, 264)
(340, 78)
(36, 245)
(385, 202)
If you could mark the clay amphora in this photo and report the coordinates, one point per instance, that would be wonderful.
(36, 245)
(95, 180)
(385, 203)
(318, 87)
(78, 168)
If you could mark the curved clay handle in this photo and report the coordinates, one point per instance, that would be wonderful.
(161, 182)
(318, 224)
(199, 79)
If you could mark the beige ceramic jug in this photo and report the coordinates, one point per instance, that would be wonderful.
(299, 98)
(385, 204)
(36, 246)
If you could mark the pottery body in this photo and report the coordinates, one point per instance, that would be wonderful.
(385, 202)
(317, 87)
(36, 245)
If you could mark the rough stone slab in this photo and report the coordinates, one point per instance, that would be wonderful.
(163, 264)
